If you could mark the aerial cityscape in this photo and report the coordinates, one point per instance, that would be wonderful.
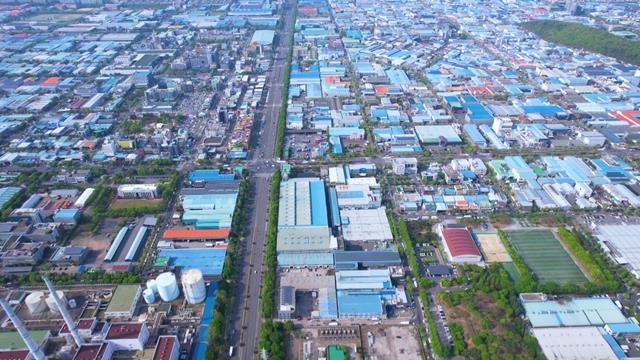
(319, 179)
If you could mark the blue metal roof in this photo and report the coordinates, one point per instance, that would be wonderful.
(209, 260)
(361, 305)
(318, 203)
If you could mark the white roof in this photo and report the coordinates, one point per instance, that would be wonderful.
(579, 343)
(623, 240)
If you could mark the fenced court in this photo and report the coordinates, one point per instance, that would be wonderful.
(492, 248)
(545, 256)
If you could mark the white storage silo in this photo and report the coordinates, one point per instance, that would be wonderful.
(167, 286)
(36, 302)
(52, 303)
(153, 285)
(193, 286)
(148, 296)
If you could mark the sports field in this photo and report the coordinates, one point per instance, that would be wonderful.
(545, 256)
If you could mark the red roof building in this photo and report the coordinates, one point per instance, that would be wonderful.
(14, 355)
(202, 235)
(101, 351)
(167, 348)
(128, 336)
(460, 246)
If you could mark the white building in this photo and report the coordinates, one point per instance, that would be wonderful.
(405, 166)
(138, 191)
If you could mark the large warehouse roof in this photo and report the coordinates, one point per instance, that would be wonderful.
(460, 242)
(623, 241)
(573, 343)
(575, 312)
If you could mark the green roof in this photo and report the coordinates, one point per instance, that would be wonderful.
(122, 298)
(336, 353)
(161, 261)
(11, 340)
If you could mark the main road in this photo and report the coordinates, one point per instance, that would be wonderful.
(245, 319)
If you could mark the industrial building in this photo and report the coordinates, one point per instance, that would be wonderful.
(366, 225)
(124, 301)
(576, 342)
(459, 244)
(362, 293)
(167, 348)
(621, 243)
(128, 336)
(287, 302)
(438, 135)
(209, 210)
(303, 223)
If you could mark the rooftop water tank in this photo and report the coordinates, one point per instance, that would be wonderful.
(151, 284)
(148, 296)
(36, 302)
(167, 286)
(52, 304)
(193, 286)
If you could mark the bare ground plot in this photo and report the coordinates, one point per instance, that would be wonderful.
(314, 341)
(492, 248)
(392, 342)
(98, 244)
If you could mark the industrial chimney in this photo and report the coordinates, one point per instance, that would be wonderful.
(26, 337)
(65, 313)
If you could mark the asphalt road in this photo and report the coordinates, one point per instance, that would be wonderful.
(245, 316)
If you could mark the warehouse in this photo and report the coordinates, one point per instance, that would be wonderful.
(621, 242)
(209, 211)
(576, 342)
(438, 135)
(263, 38)
(366, 225)
(138, 191)
(459, 244)
(303, 221)
(196, 235)
(362, 293)
(593, 311)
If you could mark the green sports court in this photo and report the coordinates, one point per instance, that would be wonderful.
(545, 256)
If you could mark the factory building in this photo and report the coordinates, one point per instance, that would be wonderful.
(124, 301)
(459, 244)
(167, 348)
(128, 336)
(303, 223)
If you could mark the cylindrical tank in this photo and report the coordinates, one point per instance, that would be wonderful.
(167, 286)
(148, 296)
(52, 304)
(153, 285)
(193, 286)
(36, 302)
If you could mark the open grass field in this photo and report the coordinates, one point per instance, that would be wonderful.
(545, 256)
(128, 203)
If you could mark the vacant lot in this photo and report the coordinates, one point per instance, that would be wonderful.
(98, 244)
(545, 256)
